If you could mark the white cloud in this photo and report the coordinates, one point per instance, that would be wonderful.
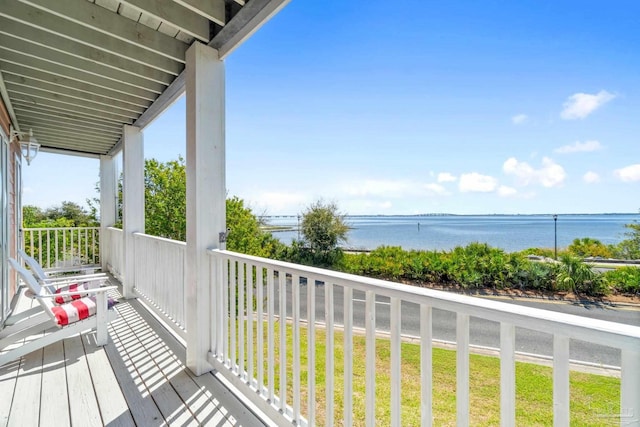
(629, 173)
(580, 105)
(477, 183)
(504, 191)
(519, 119)
(393, 188)
(379, 187)
(280, 202)
(580, 147)
(591, 177)
(436, 189)
(550, 174)
(446, 177)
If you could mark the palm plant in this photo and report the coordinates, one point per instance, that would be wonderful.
(577, 276)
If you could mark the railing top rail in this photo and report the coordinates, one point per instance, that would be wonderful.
(58, 228)
(607, 333)
(111, 228)
(161, 239)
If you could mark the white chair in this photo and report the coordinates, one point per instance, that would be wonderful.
(94, 311)
(51, 281)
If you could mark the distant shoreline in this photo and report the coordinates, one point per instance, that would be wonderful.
(452, 214)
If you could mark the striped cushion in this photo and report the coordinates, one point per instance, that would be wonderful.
(75, 287)
(77, 310)
(74, 311)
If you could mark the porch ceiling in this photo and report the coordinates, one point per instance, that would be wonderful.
(76, 71)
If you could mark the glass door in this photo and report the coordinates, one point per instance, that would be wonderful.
(4, 226)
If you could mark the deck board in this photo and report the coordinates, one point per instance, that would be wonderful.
(25, 408)
(111, 400)
(138, 379)
(54, 384)
(83, 405)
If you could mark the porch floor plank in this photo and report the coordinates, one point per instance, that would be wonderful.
(152, 357)
(112, 404)
(54, 384)
(25, 408)
(138, 379)
(83, 405)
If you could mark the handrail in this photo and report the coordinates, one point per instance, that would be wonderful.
(236, 277)
(53, 246)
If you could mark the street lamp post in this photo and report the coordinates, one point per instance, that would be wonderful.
(555, 236)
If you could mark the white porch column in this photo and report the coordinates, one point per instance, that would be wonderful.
(206, 193)
(133, 201)
(108, 192)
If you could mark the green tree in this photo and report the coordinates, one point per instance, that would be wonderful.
(630, 247)
(68, 214)
(587, 247)
(32, 215)
(166, 211)
(165, 192)
(323, 229)
(246, 235)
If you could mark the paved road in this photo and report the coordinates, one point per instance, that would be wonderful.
(482, 332)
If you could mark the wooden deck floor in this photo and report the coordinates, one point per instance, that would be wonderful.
(138, 379)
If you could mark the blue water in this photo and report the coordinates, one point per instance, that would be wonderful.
(509, 232)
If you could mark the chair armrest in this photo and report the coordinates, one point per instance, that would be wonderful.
(58, 283)
(82, 292)
(79, 277)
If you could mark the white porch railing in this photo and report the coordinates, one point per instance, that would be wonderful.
(63, 247)
(113, 250)
(159, 277)
(240, 330)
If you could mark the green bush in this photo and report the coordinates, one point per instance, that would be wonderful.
(579, 277)
(625, 280)
(588, 247)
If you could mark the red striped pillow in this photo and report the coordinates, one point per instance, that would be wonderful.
(74, 287)
(74, 311)
(77, 310)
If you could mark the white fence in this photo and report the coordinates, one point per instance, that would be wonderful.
(252, 294)
(113, 250)
(63, 247)
(159, 277)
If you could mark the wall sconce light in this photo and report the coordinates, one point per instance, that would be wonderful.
(28, 144)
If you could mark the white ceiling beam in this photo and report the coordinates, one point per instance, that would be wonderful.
(61, 106)
(164, 101)
(178, 16)
(60, 124)
(4, 96)
(44, 59)
(101, 144)
(70, 133)
(27, 37)
(214, 10)
(64, 144)
(36, 18)
(65, 152)
(63, 82)
(24, 110)
(78, 144)
(72, 93)
(59, 71)
(63, 99)
(100, 19)
(246, 22)
(77, 136)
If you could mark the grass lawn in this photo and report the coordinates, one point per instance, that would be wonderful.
(594, 398)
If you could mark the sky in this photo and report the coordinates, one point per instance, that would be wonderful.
(416, 107)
